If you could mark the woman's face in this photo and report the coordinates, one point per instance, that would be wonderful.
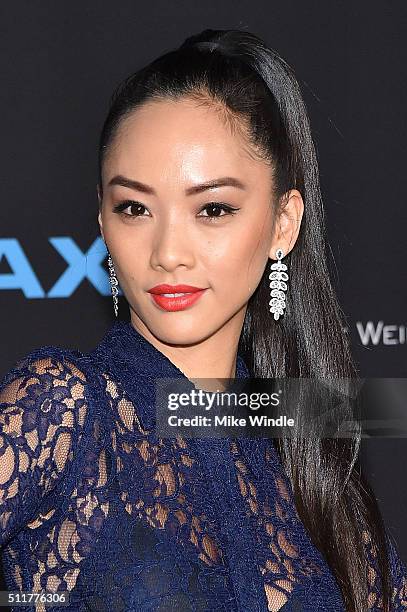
(159, 227)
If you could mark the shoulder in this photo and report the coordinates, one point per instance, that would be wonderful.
(50, 366)
(40, 360)
(48, 386)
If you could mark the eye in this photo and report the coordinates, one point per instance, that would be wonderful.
(216, 208)
(136, 207)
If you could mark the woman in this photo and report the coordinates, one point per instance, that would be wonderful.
(207, 171)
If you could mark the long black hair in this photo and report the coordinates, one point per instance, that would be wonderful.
(255, 86)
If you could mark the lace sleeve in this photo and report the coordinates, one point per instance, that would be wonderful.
(42, 409)
(398, 576)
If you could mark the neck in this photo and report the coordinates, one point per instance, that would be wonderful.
(213, 357)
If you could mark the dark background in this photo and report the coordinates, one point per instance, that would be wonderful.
(60, 62)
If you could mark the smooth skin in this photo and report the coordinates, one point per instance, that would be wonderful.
(167, 236)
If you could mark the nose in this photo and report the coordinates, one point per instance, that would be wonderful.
(171, 246)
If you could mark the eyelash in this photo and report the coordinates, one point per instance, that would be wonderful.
(119, 208)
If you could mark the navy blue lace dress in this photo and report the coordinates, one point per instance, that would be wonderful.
(94, 503)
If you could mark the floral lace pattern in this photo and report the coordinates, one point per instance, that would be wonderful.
(94, 503)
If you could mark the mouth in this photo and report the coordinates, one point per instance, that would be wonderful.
(175, 297)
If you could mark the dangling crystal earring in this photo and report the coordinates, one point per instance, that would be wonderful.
(278, 286)
(113, 284)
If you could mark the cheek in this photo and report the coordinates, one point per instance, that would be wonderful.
(236, 265)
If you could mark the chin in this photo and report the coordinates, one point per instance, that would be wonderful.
(179, 329)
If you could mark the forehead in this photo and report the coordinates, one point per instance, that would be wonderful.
(184, 140)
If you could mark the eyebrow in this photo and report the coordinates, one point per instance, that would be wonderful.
(225, 181)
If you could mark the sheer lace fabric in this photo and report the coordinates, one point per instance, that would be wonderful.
(94, 503)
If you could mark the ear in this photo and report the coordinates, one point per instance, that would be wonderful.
(288, 223)
(98, 190)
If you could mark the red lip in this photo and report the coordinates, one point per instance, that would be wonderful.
(172, 304)
(158, 289)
